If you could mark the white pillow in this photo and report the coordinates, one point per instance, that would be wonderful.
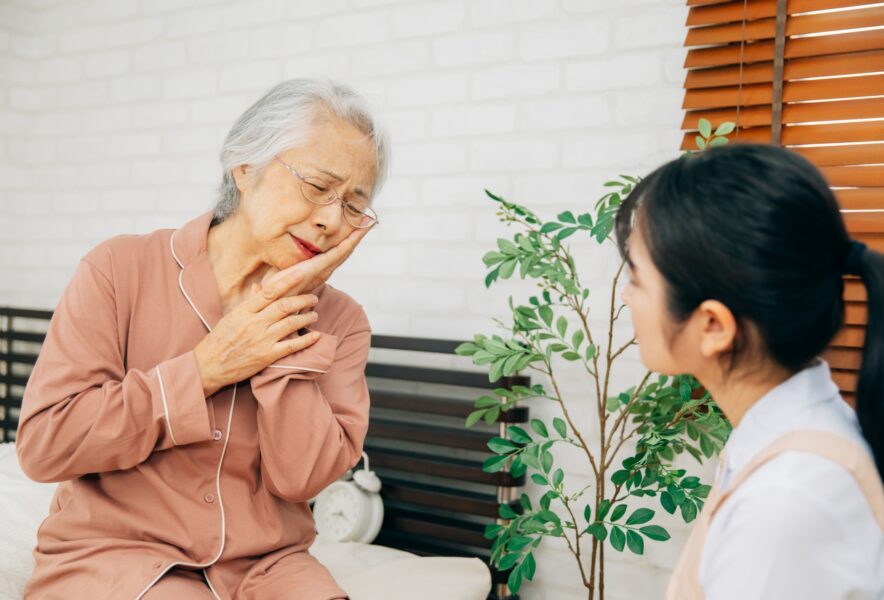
(366, 571)
(23, 506)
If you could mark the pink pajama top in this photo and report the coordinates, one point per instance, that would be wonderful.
(154, 474)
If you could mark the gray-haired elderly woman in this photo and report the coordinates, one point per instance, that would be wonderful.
(197, 387)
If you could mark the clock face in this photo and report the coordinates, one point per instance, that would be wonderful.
(337, 511)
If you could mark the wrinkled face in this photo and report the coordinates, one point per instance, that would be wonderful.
(645, 294)
(289, 229)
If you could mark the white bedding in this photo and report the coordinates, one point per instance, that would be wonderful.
(366, 571)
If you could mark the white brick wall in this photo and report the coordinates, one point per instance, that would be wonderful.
(111, 113)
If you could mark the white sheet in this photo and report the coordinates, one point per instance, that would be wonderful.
(366, 571)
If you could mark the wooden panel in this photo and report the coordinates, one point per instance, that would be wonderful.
(436, 466)
(432, 496)
(863, 223)
(844, 358)
(850, 337)
(437, 405)
(793, 91)
(856, 313)
(750, 116)
(726, 12)
(856, 154)
(854, 290)
(795, 48)
(845, 380)
(444, 376)
(861, 198)
(460, 437)
(861, 176)
(452, 530)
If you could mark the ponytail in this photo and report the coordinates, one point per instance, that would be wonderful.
(869, 266)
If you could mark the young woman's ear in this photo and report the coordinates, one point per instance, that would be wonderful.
(718, 328)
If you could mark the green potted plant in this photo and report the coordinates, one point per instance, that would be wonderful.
(642, 429)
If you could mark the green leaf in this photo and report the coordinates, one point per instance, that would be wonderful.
(718, 141)
(562, 326)
(486, 401)
(518, 435)
(501, 446)
(618, 539)
(491, 530)
(550, 227)
(642, 515)
(558, 477)
(507, 268)
(546, 461)
(635, 542)
(546, 314)
(725, 128)
(577, 339)
(506, 512)
(706, 446)
(539, 479)
(598, 531)
(529, 566)
(491, 416)
(572, 356)
(585, 219)
(620, 477)
(590, 352)
(690, 482)
(514, 581)
(705, 128)
(701, 143)
(560, 426)
(566, 233)
(688, 511)
(509, 560)
(655, 532)
(604, 507)
(474, 417)
(587, 511)
(567, 217)
(494, 464)
(538, 426)
(618, 512)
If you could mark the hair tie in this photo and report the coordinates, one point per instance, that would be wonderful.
(854, 261)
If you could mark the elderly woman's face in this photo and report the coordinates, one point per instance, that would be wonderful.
(286, 226)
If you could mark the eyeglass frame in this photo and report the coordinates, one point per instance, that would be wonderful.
(332, 197)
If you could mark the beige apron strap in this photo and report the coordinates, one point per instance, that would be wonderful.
(685, 582)
(828, 445)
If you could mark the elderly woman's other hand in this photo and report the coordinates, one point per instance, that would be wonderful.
(259, 331)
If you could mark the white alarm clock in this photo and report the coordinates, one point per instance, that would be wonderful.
(352, 510)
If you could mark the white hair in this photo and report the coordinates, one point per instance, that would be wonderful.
(282, 120)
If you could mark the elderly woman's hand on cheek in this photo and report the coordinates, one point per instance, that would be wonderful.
(265, 327)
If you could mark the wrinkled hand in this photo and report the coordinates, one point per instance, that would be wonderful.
(259, 331)
(317, 270)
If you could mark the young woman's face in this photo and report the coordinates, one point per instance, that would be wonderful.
(645, 294)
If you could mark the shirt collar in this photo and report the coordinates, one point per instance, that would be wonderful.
(776, 413)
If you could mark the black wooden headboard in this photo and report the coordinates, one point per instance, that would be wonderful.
(437, 499)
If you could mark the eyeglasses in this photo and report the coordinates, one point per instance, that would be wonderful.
(317, 191)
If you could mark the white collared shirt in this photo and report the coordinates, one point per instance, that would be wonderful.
(799, 527)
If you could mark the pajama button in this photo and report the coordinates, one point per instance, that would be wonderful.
(216, 435)
(209, 498)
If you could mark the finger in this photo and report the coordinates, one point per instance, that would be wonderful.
(288, 305)
(331, 259)
(291, 324)
(275, 288)
(291, 345)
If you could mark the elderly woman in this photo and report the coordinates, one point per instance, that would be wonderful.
(197, 387)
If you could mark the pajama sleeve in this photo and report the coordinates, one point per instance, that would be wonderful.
(313, 412)
(83, 411)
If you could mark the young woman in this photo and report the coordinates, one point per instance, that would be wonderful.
(736, 257)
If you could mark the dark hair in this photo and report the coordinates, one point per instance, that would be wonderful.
(757, 228)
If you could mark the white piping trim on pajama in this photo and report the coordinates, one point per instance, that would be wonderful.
(220, 461)
(165, 405)
(296, 368)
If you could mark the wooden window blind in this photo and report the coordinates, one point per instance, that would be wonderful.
(808, 75)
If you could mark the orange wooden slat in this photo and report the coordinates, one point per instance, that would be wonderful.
(796, 68)
(834, 133)
(802, 112)
(865, 176)
(758, 9)
(853, 154)
(765, 29)
(854, 290)
(861, 198)
(851, 336)
(793, 91)
(845, 380)
(844, 358)
(866, 226)
(824, 45)
(705, 2)
(856, 313)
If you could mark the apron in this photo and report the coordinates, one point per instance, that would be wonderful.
(685, 581)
